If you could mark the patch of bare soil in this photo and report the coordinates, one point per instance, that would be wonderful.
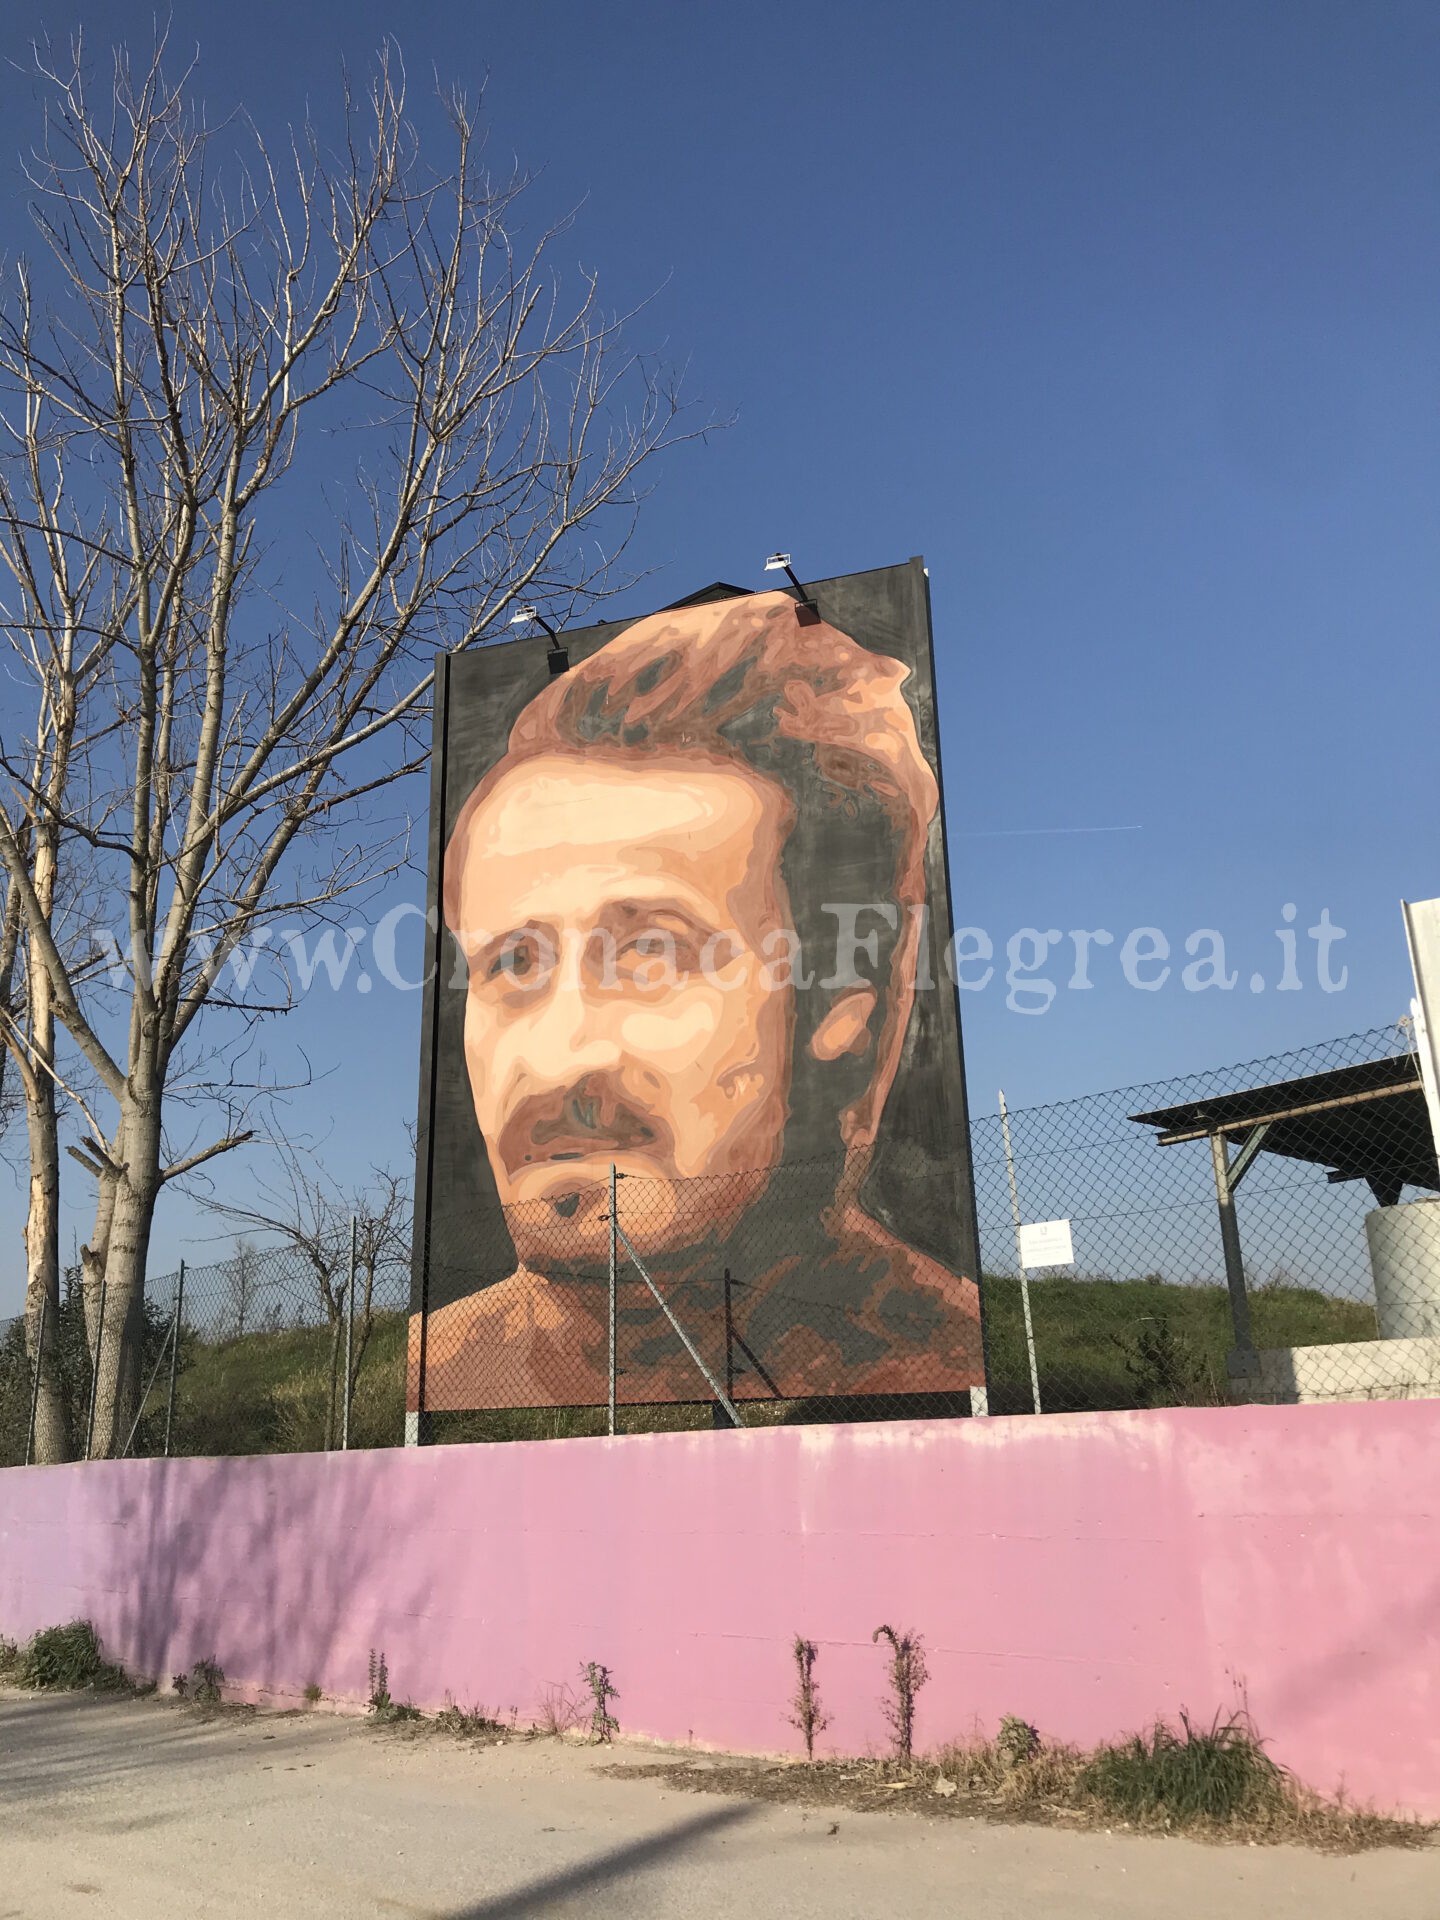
(860, 1786)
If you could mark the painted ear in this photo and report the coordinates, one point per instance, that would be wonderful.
(846, 1026)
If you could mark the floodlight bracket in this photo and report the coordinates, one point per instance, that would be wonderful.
(780, 563)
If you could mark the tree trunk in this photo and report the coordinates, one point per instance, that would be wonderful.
(42, 1221)
(42, 1274)
(94, 1255)
(118, 1384)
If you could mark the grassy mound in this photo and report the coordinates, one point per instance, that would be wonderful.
(1103, 1343)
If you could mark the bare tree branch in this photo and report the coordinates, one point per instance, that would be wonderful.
(277, 425)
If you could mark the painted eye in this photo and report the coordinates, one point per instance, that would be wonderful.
(648, 958)
(516, 960)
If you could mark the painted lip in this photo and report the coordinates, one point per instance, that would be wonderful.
(543, 1179)
(590, 1123)
(606, 1151)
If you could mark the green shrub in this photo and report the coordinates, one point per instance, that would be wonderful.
(1219, 1773)
(1017, 1742)
(207, 1678)
(60, 1659)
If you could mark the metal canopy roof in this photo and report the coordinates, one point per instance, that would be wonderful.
(1367, 1122)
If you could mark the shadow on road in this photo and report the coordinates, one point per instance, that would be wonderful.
(593, 1876)
(52, 1745)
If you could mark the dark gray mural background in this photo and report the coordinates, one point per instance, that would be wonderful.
(920, 1183)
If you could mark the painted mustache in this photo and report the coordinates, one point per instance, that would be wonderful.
(572, 1123)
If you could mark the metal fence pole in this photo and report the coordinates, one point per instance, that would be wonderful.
(614, 1231)
(1230, 1240)
(95, 1373)
(35, 1384)
(349, 1341)
(729, 1339)
(1020, 1257)
(689, 1345)
(174, 1356)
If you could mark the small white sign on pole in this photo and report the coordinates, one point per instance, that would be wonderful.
(1046, 1243)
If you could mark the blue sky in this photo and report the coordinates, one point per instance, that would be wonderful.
(1124, 315)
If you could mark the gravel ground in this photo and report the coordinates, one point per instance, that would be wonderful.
(144, 1809)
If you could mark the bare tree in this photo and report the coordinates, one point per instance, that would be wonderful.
(242, 1275)
(311, 1215)
(322, 416)
(59, 637)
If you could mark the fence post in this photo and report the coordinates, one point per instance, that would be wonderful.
(689, 1345)
(614, 1226)
(35, 1383)
(1230, 1240)
(729, 1340)
(174, 1356)
(349, 1343)
(95, 1372)
(1020, 1257)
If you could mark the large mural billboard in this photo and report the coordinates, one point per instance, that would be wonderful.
(691, 918)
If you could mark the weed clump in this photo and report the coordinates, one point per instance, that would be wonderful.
(62, 1659)
(806, 1712)
(1215, 1780)
(1017, 1741)
(1197, 1775)
(1016, 1772)
(603, 1724)
(206, 1682)
(471, 1723)
(379, 1682)
(381, 1704)
(561, 1711)
(907, 1674)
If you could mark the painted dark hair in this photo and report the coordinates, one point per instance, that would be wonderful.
(808, 709)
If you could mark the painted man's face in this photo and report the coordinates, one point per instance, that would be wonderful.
(622, 1007)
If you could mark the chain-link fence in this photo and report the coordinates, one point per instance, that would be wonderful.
(1240, 1235)
(827, 1288)
(1269, 1233)
(1237, 1235)
(268, 1351)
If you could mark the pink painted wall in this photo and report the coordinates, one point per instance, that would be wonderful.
(1087, 1572)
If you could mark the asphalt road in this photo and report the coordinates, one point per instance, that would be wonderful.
(140, 1810)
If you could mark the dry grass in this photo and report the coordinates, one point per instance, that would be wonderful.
(472, 1723)
(1212, 1783)
(562, 1711)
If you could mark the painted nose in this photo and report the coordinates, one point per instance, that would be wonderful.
(569, 1035)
